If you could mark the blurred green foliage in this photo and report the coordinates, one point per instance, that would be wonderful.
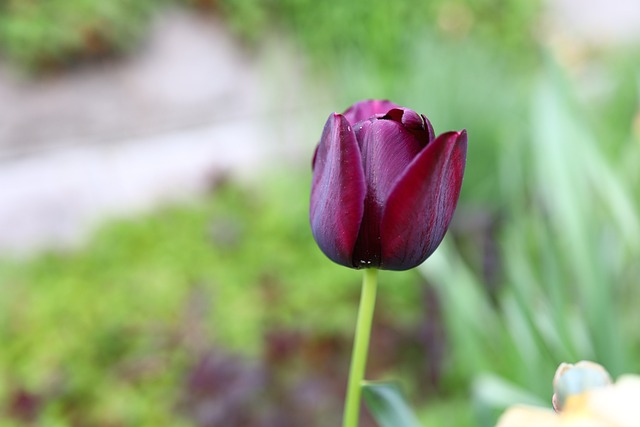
(109, 325)
(40, 35)
(378, 32)
(568, 242)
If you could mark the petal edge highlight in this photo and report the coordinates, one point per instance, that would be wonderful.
(338, 191)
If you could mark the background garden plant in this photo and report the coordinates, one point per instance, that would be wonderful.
(540, 267)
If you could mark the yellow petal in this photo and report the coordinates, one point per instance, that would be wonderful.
(526, 416)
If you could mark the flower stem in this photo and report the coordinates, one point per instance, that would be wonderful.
(360, 348)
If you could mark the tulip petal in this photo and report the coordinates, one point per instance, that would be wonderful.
(421, 204)
(365, 109)
(338, 191)
(388, 148)
(413, 122)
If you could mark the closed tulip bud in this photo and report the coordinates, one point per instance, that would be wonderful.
(384, 187)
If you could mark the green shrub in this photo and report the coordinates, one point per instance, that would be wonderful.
(41, 35)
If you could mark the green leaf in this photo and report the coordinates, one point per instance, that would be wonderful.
(388, 405)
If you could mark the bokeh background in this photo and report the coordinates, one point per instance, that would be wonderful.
(156, 264)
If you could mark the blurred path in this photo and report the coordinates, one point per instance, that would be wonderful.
(122, 137)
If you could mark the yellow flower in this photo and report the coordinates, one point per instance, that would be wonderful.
(616, 405)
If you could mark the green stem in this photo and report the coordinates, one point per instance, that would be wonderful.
(360, 348)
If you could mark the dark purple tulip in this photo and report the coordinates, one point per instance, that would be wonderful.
(384, 187)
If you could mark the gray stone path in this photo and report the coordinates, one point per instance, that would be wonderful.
(119, 138)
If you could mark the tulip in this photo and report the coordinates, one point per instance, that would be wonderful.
(384, 187)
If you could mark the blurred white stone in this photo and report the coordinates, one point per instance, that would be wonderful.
(597, 22)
